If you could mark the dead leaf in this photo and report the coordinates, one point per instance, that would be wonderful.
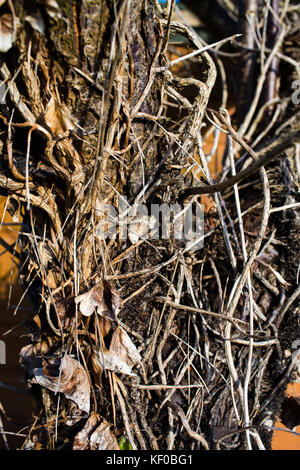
(82, 441)
(103, 438)
(36, 22)
(122, 345)
(74, 414)
(14, 209)
(62, 308)
(30, 358)
(63, 305)
(45, 252)
(90, 300)
(110, 360)
(58, 118)
(68, 377)
(7, 33)
(52, 8)
(100, 438)
(102, 298)
(105, 326)
(121, 356)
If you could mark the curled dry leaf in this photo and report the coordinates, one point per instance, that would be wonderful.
(45, 252)
(74, 414)
(100, 438)
(58, 118)
(103, 439)
(30, 358)
(63, 305)
(105, 326)
(61, 308)
(81, 441)
(102, 298)
(52, 8)
(7, 33)
(109, 360)
(122, 345)
(121, 356)
(36, 22)
(14, 209)
(68, 377)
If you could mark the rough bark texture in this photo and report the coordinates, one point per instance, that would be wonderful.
(138, 339)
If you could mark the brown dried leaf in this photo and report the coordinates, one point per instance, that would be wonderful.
(63, 305)
(90, 300)
(30, 358)
(82, 441)
(36, 22)
(122, 345)
(14, 208)
(45, 253)
(6, 32)
(105, 326)
(52, 8)
(97, 370)
(58, 118)
(102, 298)
(121, 356)
(74, 414)
(62, 308)
(68, 377)
(112, 302)
(103, 438)
(100, 438)
(110, 360)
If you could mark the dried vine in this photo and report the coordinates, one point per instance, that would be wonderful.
(148, 340)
